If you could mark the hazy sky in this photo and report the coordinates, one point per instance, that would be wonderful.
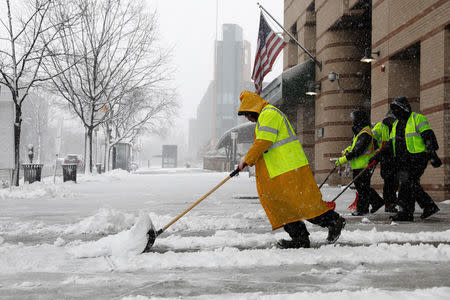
(190, 27)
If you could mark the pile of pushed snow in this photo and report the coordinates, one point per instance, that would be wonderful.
(35, 190)
(367, 294)
(105, 221)
(124, 243)
(114, 175)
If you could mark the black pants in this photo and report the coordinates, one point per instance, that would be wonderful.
(366, 194)
(297, 230)
(391, 183)
(411, 190)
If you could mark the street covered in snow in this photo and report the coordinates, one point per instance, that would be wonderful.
(68, 240)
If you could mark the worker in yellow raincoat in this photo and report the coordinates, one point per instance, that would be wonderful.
(286, 186)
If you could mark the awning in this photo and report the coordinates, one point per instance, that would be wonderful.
(286, 92)
(291, 86)
(245, 134)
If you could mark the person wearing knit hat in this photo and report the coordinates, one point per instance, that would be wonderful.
(381, 132)
(359, 153)
(412, 143)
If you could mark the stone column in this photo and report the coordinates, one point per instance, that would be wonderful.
(340, 51)
(434, 104)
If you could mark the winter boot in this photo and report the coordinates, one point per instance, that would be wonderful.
(294, 243)
(429, 211)
(390, 208)
(376, 207)
(334, 231)
(402, 217)
(357, 213)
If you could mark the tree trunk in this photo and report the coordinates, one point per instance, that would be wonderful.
(106, 156)
(17, 131)
(89, 137)
(39, 148)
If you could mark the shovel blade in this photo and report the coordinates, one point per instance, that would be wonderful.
(151, 236)
(331, 205)
(352, 206)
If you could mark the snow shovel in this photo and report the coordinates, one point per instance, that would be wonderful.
(328, 176)
(331, 205)
(152, 234)
(352, 207)
(370, 167)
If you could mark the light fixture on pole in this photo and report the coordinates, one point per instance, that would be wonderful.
(312, 87)
(368, 58)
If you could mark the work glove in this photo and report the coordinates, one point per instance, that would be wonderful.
(346, 150)
(242, 164)
(434, 159)
(342, 160)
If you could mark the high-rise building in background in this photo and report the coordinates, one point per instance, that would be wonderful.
(216, 112)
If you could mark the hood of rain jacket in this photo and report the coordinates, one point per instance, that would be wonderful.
(251, 102)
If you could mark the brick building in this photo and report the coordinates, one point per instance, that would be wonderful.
(410, 41)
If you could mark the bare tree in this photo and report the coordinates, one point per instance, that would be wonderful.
(35, 123)
(113, 52)
(22, 51)
(143, 111)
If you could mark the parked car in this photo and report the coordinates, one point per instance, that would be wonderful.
(73, 159)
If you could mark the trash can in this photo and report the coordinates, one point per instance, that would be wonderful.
(32, 172)
(99, 168)
(69, 172)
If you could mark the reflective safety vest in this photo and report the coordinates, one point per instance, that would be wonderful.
(286, 152)
(362, 161)
(415, 125)
(380, 132)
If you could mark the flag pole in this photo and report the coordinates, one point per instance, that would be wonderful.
(318, 63)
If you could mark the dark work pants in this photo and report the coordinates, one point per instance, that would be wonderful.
(297, 230)
(366, 194)
(411, 190)
(391, 183)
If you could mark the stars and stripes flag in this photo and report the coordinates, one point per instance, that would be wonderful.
(268, 47)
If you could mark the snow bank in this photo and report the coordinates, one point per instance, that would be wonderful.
(110, 176)
(36, 190)
(104, 221)
(234, 258)
(119, 252)
(436, 293)
(230, 238)
(127, 242)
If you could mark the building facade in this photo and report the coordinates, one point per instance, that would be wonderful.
(410, 41)
(217, 111)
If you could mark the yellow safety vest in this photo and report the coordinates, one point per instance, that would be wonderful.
(415, 125)
(361, 161)
(380, 132)
(286, 152)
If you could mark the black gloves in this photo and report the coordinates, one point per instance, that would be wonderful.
(434, 159)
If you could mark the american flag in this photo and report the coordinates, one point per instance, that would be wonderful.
(268, 48)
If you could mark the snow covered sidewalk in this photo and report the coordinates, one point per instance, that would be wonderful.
(66, 240)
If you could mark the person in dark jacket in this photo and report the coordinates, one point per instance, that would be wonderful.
(381, 132)
(359, 153)
(412, 143)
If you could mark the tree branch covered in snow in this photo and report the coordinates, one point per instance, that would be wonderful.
(110, 54)
(23, 50)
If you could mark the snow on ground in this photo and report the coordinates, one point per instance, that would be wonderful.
(58, 238)
(367, 294)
